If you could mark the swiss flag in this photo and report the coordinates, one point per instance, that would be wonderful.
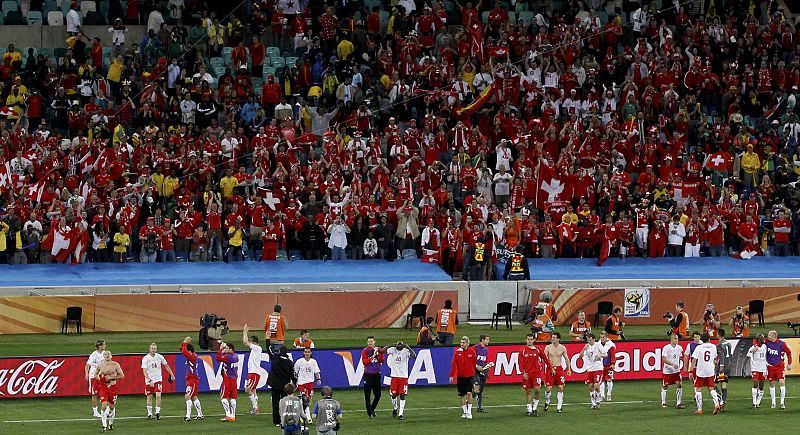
(549, 185)
(5, 177)
(271, 201)
(717, 161)
(34, 191)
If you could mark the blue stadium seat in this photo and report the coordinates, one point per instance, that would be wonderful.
(34, 18)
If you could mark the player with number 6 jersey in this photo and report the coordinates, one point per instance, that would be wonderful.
(704, 363)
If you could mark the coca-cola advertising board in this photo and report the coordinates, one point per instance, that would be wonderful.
(64, 376)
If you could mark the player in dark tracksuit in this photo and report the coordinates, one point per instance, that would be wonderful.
(724, 353)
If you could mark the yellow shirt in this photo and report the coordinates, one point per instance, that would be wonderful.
(345, 49)
(227, 184)
(235, 236)
(122, 241)
(17, 103)
(115, 71)
(12, 57)
(165, 185)
(750, 162)
(216, 35)
(569, 217)
(4, 229)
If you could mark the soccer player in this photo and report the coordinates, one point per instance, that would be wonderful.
(776, 351)
(723, 369)
(253, 367)
(671, 371)
(307, 371)
(593, 354)
(557, 356)
(461, 372)
(303, 341)
(328, 413)
(90, 372)
(607, 382)
(192, 380)
(580, 327)
(108, 373)
(481, 370)
(758, 368)
(372, 359)
(530, 363)
(153, 364)
(703, 363)
(688, 353)
(230, 371)
(397, 356)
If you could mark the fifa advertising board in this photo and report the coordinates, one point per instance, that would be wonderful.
(54, 376)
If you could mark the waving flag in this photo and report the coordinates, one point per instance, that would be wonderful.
(34, 191)
(550, 185)
(478, 103)
(5, 177)
(717, 161)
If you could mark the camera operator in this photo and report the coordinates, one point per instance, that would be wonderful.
(680, 322)
(740, 323)
(542, 325)
(580, 327)
(711, 321)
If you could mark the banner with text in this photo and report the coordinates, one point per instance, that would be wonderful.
(64, 376)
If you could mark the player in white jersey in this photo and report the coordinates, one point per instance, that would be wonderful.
(704, 363)
(397, 356)
(758, 368)
(307, 371)
(607, 382)
(671, 355)
(253, 367)
(153, 365)
(90, 372)
(593, 354)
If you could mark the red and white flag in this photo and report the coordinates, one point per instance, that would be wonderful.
(6, 181)
(8, 111)
(34, 191)
(549, 185)
(272, 201)
(717, 161)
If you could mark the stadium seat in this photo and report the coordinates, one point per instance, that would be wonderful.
(73, 315)
(291, 62)
(55, 18)
(14, 18)
(268, 70)
(9, 5)
(603, 15)
(273, 52)
(88, 6)
(604, 308)
(503, 310)
(756, 307)
(512, 17)
(485, 17)
(34, 18)
(527, 17)
(418, 311)
(384, 16)
(277, 62)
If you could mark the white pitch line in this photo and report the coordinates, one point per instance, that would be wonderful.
(438, 408)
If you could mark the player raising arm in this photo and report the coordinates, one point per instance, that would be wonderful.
(703, 363)
(230, 372)
(90, 372)
(671, 371)
(556, 355)
(758, 368)
(192, 380)
(108, 373)
(153, 365)
(397, 356)
(253, 367)
(778, 353)
(461, 372)
(593, 354)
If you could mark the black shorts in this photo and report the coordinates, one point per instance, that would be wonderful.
(479, 380)
(464, 386)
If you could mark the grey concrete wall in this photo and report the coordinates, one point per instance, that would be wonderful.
(56, 36)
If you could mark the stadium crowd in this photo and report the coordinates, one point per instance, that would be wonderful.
(414, 130)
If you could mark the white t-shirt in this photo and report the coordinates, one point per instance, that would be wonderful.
(758, 359)
(706, 355)
(94, 359)
(397, 360)
(306, 370)
(153, 365)
(592, 360)
(672, 354)
(254, 362)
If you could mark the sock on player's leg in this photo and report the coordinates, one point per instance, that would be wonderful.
(715, 397)
(783, 393)
(227, 407)
(233, 408)
(760, 397)
(188, 408)
(754, 392)
(469, 409)
(698, 398)
(679, 396)
(663, 395)
(479, 400)
(94, 411)
(609, 387)
(197, 406)
(464, 408)
(535, 404)
(547, 397)
(772, 395)
(112, 415)
(149, 410)
(158, 410)
(402, 407)
(560, 398)
(724, 395)
(530, 407)
(104, 417)
(602, 389)
(394, 403)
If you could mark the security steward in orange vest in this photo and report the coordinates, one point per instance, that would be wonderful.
(517, 266)
(614, 324)
(425, 336)
(446, 322)
(275, 327)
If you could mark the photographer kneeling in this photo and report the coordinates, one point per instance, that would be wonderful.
(679, 323)
(740, 323)
(711, 321)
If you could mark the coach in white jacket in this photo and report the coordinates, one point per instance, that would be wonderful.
(676, 233)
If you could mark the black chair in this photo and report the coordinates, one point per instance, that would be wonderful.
(417, 310)
(757, 307)
(503, 310)
(604, 308)
(73, 316)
